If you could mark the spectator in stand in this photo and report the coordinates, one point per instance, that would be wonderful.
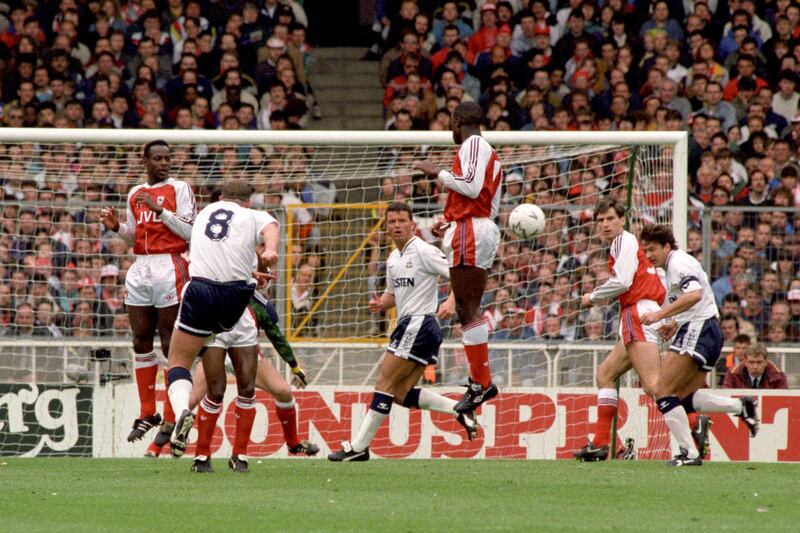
(756, 372)
(512, 327)
(736, 356)
(450, 15)
(484, 38)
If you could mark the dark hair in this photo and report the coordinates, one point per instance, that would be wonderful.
(400, 207)
(469, 114)
(151, 144)
(731, 317)
(609, 203)
(660, 234)
(742, 337)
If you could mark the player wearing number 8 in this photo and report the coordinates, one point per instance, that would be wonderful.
(224, 240)
(471, 239)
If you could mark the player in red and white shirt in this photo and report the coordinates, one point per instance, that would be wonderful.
(160, 213)
(471, 239)
(635, 282)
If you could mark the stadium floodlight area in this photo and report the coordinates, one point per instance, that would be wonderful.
(329, 190)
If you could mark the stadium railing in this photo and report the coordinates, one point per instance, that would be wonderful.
(104, 361)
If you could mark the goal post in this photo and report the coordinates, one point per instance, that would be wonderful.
(328, 189)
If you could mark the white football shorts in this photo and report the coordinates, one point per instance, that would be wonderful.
(631, 328)
(471, 242)
(156, 280)
(244, 333)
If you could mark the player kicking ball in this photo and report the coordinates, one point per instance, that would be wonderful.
(267, 377)
(471, 239)
(636, 284)
(694, 350)
(224, 241)
(412, 272)
(160, 213)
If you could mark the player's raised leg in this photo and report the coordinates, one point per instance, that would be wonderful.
(469, 283)
(394, 373)
(428, 400)
(143, 321)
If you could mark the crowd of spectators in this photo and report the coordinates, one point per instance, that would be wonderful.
(189, 64)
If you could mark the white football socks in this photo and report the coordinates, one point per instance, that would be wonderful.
(705, 401)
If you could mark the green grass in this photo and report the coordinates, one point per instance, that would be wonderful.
(440, 495)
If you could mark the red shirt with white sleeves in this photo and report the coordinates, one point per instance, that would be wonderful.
(473, 182)
(633, 276)
(164, 233)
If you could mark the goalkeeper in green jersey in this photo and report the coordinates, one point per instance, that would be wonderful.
(267, 379)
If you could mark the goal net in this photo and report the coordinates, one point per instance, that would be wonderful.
(61, 298)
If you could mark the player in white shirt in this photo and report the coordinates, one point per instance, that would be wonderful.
(224, 241)
(412, 276)
(694, 350)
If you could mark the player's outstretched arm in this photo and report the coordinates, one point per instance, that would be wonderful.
(474, 156)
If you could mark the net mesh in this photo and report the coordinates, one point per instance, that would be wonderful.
(63, 275)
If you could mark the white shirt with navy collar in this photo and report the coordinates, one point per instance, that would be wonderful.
(412, 275)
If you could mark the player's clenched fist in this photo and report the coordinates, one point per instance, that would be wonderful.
(427, 167)
(375, 304)
(269, 257)
(143, 197)
(586, 301)
(448, 308)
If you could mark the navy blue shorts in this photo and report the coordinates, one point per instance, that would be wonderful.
(701, 340)
(209, 307)
(417, 338)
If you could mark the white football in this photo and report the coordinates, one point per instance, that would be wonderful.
(527, 221)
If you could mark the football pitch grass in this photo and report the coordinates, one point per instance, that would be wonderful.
(64, 494)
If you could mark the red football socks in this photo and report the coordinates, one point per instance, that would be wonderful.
(478, 357)
(146, 369)
(245, 414)
(207, 415)
(287, 414)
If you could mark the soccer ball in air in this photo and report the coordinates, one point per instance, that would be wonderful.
(527, 221)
